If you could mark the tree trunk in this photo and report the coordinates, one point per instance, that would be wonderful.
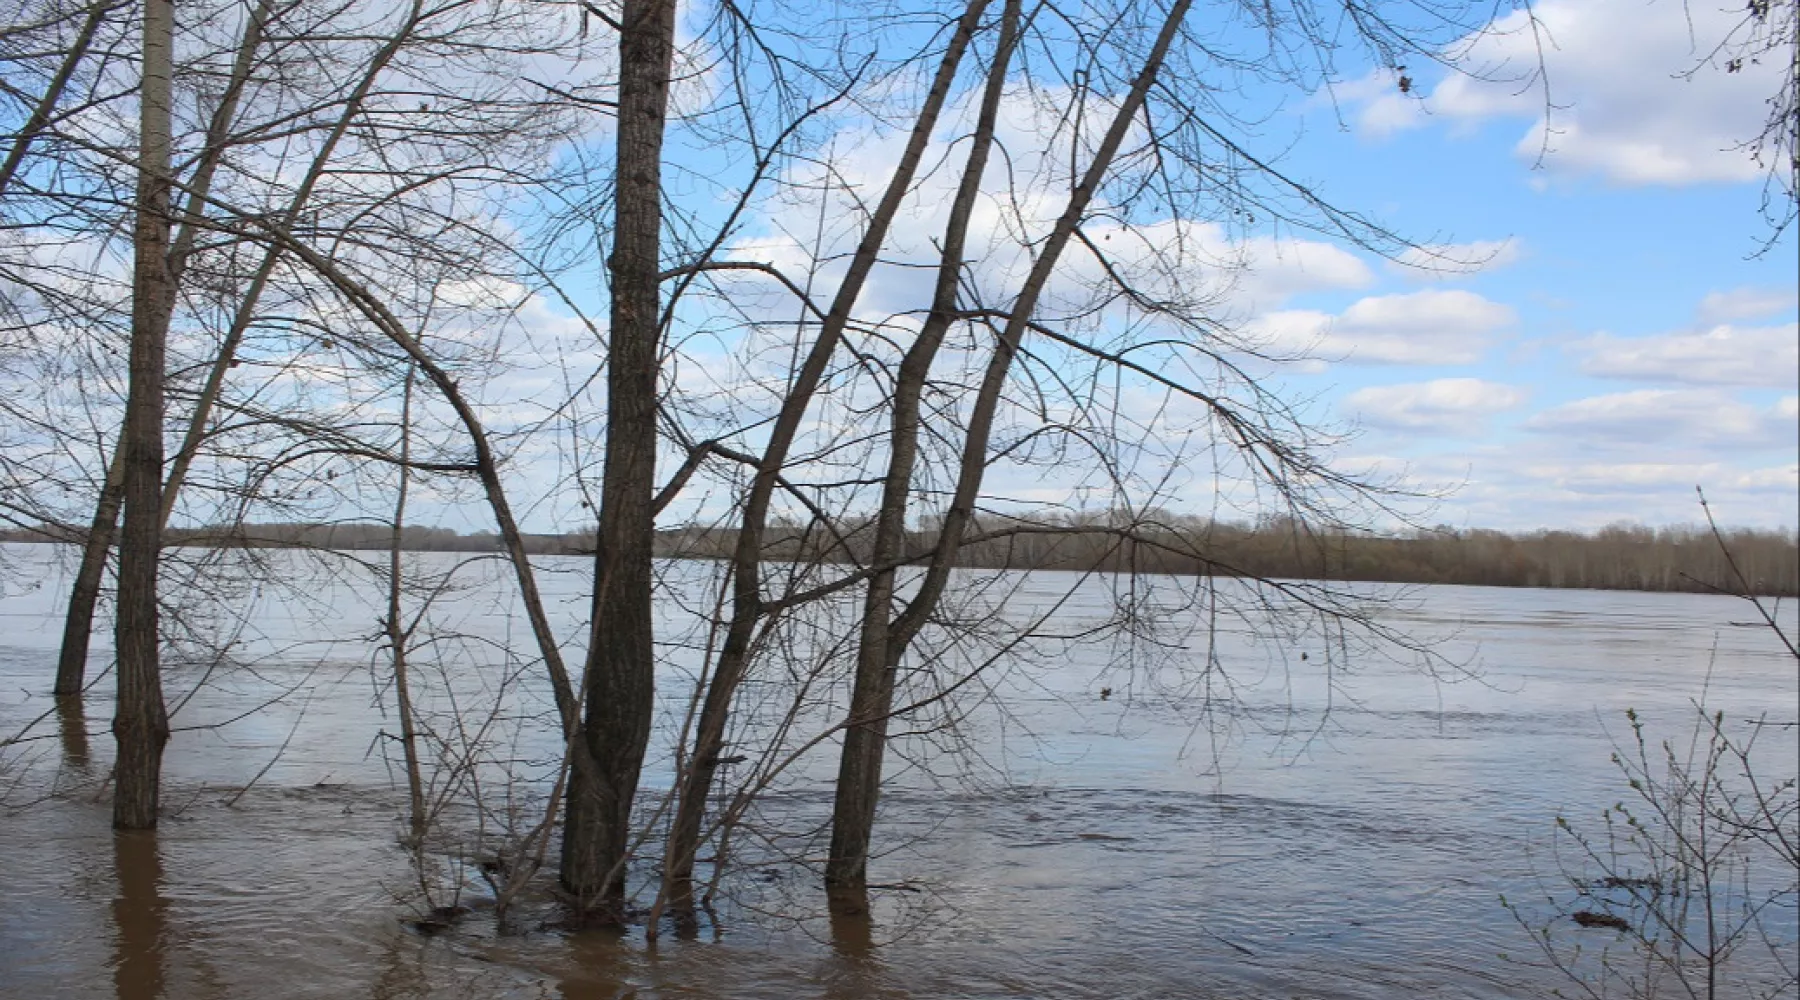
(865, 736)
(621, 667)
(141, 723)
(398, 635)
(78, 619)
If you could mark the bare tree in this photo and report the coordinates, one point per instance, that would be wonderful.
(347, 198)
(620, 674)
(748, 604)
(84, 593)
(1768, 31)
(46, 105)
(141, 724)
(880, 645)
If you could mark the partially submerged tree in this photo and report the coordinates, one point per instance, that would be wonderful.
(748, 603)
(618, 682)
(865, 435)
(882, 642)
(141, 722)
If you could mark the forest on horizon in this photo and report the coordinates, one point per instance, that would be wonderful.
(1683, 558)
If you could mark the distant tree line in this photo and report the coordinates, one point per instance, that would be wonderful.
(1618, 557)
(352, 536)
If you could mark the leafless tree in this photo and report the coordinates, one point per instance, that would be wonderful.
(141, 722)
(620, 674)
(856, 447)
(746, 572)
(1768, 31)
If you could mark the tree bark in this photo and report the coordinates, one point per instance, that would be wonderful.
(620, 674)
(865, 735)
(141, 722)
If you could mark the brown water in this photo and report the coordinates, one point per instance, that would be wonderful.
(1068, 847)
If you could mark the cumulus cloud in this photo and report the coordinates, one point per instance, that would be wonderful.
(1432, 327)
(1663, 418)
(1620, 104)
(1746, 303)
(814, 224)
(1442, 406)
(1723, 355)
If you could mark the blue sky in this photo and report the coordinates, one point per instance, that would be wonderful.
(1598, 337)
(1624, 343)
(1611, 338)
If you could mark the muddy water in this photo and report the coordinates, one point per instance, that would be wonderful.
(1154, 843)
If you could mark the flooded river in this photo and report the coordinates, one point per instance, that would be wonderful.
(1193, 812)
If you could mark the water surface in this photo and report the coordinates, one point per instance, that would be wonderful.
(1232, 820)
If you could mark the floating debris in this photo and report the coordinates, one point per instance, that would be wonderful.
(1588, 918)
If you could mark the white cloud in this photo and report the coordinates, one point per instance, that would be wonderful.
(1277, 269)
(1624, 477)
(814, 224)
(1723, 355)
(1746, 303)
(1429, 327)
(1620, 104)
(1445, 406)
(1780, 478)
(1664, 418)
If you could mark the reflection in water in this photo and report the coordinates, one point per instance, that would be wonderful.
(859, 972)
(71, 723)
(138, 914)
(402, 972)
(852, 936)
(596, 970)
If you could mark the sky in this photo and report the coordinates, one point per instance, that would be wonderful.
(1597, 324)
(1623, 336)
(1592, 324)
